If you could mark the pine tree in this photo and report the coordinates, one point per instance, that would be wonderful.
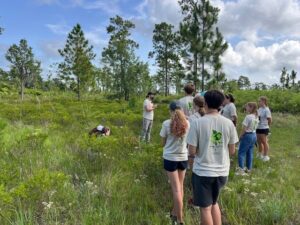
(166, 45)
(24, 67)
(77, 64)
(119, 58)
(293, 77)
(197, 30)
(283, 77)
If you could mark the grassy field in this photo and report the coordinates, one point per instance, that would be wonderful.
(53, 173)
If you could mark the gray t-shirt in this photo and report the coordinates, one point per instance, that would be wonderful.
(186, 103)
(212, 134)
(250, 122)
(263, 114)
(146, 114)
(229, 110)
(175, 148)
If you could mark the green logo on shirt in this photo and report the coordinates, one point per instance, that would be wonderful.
(190, 105)
(216, 137)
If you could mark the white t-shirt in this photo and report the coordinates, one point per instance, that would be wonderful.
(100, 127)
(146, 114)
(195, 116)
(251, 123)
(211, 134)
(175, 148)
(263, 114)
(229, 110)
(186, 103)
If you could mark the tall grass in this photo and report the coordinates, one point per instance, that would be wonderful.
(52, 172)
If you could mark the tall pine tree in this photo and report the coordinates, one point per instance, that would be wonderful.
(77, 55)
(198, 31)
(119, 58)
(166, 44)
(24, 67)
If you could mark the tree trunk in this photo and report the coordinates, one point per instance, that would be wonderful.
(22, 90)
(78, 88)
(195, 70)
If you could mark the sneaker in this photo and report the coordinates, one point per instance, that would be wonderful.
(259, 155)
(265, 158)
(240, 172)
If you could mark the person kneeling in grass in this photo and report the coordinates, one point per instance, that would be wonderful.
(211, 140)
(248, 138)
(175, 154)
(100, 131)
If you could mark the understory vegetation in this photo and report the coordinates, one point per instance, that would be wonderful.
(52, 172)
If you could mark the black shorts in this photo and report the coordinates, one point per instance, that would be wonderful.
(206, 190)
(172, 166)
(262, 131)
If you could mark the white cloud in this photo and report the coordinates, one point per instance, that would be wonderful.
(252, 19)
(60, 28)
(262, 64)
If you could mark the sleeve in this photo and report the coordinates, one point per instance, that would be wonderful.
(246, 122)
(233, 110)
(163, 132)
(233, 135)
(268, 113)
(192, 138)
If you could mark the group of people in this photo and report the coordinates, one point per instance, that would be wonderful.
(201, 134)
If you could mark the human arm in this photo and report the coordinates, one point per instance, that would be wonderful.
(191, 155)
(163, 141)
(231, 148)
(242, 132)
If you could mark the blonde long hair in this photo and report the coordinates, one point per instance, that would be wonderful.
(253, 107)
(179, 123)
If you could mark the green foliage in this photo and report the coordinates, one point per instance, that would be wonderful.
(166, 44)
(24, 67)
(127, 75)
(77, 64)
(52, 172)
(205, 44)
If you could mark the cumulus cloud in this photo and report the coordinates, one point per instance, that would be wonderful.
(257, 18)
(262, 64)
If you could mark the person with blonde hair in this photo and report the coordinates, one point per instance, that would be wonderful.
(174, 132)
(263, 129)
(247, 138)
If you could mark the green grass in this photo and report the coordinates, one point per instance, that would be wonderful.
(53, 173)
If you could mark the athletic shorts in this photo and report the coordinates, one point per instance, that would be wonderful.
(172, 166)
(206, 190)
(262, 131)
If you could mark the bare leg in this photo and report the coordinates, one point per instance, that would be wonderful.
(216, 214)
(260, 144)
(206, 216)
(265, 145)
(177, 194)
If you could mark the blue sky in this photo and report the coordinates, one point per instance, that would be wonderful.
(263, 35)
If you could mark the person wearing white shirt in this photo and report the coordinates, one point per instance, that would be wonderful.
(211, 140)
(229, 109)
(263, 129)
(148, 115)
(173, 133)
(186, 102)
(247, 139)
